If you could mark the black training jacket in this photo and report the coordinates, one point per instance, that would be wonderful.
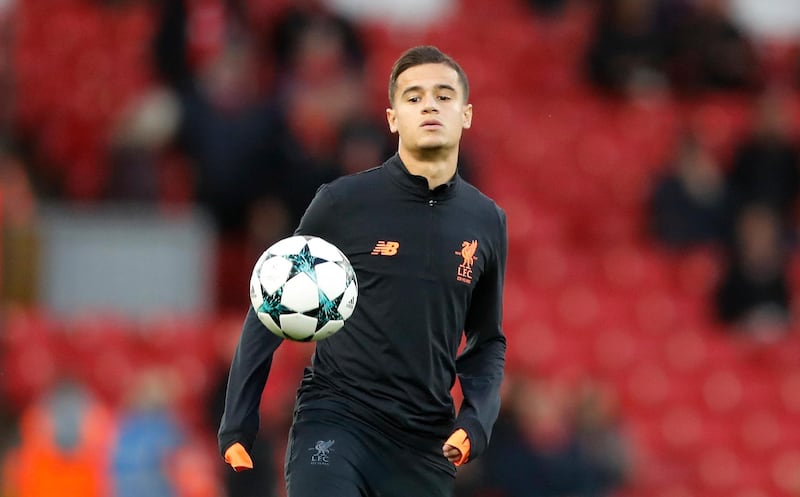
(430, 264)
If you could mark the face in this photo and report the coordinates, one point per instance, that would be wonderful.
(429, 112)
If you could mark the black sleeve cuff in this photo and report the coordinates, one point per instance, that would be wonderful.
(477, 437)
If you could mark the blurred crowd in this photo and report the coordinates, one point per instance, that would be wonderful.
(742, 201)
(553, 438)
(244, 108)
(746, 209)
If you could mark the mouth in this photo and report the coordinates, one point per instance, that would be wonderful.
(431, 124)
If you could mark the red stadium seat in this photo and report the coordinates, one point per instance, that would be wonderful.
(789, 388)
(783, 470)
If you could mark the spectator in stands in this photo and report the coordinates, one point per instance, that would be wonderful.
(148, 438)
(64, 443)
(765, 163)
(753, 295)
(286, 35)
(624, 56)
(543, 447)
(706, 51)
(319, 93)
(361, 145)
(252, 140)
(689, 202)
(139, 145)
(601, 438)
(225, 121)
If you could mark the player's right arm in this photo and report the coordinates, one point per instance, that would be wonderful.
(248, 375)
(253, 357)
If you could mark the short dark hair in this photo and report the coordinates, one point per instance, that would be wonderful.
(425, 54)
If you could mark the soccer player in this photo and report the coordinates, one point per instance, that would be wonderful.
(374, 415)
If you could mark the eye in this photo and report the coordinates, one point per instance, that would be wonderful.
(413, 99)
(444, 98)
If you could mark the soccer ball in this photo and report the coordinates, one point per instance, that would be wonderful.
(303, 288)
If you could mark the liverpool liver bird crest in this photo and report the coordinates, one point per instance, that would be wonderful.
(468, 250)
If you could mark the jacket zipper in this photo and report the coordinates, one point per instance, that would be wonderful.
(429, 246)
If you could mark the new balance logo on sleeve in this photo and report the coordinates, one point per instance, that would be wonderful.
(385, 248)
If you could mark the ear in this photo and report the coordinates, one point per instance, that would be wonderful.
(391, 118)
(467, 116)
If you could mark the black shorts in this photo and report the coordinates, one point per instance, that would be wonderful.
(340, 458)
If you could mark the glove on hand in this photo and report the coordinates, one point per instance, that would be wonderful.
(238, 458)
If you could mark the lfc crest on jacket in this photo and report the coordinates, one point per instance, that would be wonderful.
(468, 257)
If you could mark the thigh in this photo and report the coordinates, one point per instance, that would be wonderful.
(334, 458)
(410, 475)
(322, 460)
(398, 470)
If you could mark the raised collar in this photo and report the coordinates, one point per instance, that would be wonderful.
(418, 184)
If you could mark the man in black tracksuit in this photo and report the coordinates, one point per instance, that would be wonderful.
(374, 415)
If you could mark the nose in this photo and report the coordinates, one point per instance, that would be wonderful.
(431, 104)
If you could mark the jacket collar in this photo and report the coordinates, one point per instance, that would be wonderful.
(418, 184)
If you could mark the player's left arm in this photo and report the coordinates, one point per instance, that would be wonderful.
(480, 366)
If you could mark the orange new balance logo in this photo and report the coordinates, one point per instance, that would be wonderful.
(385, 248)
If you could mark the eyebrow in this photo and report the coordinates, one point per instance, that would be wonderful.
(441, 86)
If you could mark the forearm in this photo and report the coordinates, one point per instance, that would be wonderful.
(248, 374)
(481, 376)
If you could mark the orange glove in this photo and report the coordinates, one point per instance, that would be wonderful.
(238, 458)
(457, 447)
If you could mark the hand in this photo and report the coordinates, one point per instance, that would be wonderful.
(453, 454)
(238, 458)
(457, 448)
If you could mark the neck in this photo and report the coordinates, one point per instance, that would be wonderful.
(437, 168)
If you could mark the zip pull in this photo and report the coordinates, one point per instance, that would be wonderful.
(431, 202)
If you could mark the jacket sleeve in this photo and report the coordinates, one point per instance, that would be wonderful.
(253, 357)
(480, 366)
(248, 376)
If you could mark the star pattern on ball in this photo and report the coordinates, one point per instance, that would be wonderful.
(272, 305)
(328, 310)
(303, 262)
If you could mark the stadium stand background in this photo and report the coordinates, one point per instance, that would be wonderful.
(704, 410)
